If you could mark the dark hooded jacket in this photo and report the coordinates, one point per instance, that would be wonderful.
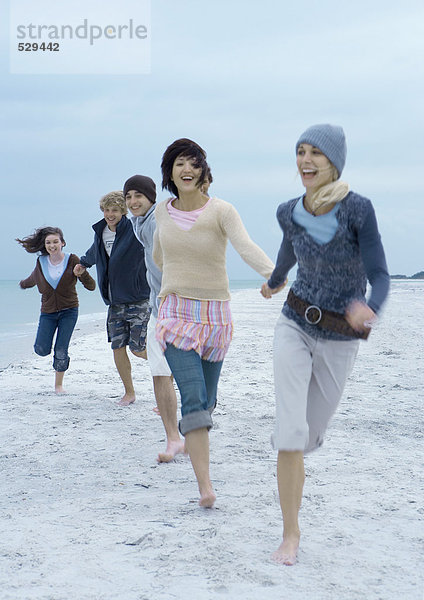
(122, 276)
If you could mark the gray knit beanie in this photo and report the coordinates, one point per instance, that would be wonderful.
(330, 139)
(142, 184)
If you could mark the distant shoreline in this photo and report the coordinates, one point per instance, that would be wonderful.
(419, 275)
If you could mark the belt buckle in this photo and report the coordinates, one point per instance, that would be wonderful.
(313, 306)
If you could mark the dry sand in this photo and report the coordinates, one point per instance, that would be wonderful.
(88, 514)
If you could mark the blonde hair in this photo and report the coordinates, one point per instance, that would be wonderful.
(335, 172)
(114, 199)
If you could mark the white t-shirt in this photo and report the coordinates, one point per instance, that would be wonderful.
(56, 271)
(108, 238)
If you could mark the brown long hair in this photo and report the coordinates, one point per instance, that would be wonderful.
(36, 242)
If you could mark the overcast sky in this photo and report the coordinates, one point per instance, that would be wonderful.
(243, 79)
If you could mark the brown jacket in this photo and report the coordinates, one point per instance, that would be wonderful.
(65, 294)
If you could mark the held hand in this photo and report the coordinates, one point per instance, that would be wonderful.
(267, 292)
(360, 316)
(79, 270)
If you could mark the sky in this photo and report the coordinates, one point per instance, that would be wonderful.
(244, 80)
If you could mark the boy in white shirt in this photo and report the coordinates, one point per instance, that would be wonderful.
(121, 274)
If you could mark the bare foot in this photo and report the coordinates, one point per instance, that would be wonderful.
(156, 411)
(141, 354)
(126, 400)
(172, 449)
(207, 498)
(59, 389)
(286, 554)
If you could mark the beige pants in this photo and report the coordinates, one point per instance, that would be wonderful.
(309, 376)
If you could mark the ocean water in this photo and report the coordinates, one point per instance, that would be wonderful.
(20, 309)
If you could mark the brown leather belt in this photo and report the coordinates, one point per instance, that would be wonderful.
(324, 319)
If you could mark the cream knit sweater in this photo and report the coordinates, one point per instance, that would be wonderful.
(193, 262)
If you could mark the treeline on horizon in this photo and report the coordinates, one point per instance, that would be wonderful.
(419, 275)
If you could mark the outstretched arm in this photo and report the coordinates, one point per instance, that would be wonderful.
(267, 292)
(286, 259)
(250, 252)
(29, 282)
(87, 281)
(89, 258)
(79, 270)
(83, 275)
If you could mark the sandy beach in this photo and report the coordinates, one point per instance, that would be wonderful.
(88, 514)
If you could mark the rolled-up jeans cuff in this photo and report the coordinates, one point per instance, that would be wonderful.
(195, 420)
(61, 364)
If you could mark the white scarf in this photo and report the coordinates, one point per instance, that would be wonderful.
(328, 194)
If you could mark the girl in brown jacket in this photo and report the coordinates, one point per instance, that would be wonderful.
(55, 279)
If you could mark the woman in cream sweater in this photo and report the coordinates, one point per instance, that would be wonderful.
(194, 324)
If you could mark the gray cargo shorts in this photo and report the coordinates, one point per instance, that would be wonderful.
(127, 325)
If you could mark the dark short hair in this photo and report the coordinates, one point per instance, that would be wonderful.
(182, 147)
(36, 242)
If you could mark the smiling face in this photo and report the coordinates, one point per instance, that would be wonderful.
(53, 244)
(314, 167)
(112, 215)
(185, 174)
(137, 203)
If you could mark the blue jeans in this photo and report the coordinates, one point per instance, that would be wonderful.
(197, 380)
(64, 322)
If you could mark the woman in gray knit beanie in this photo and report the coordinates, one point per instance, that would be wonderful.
(331, 234)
